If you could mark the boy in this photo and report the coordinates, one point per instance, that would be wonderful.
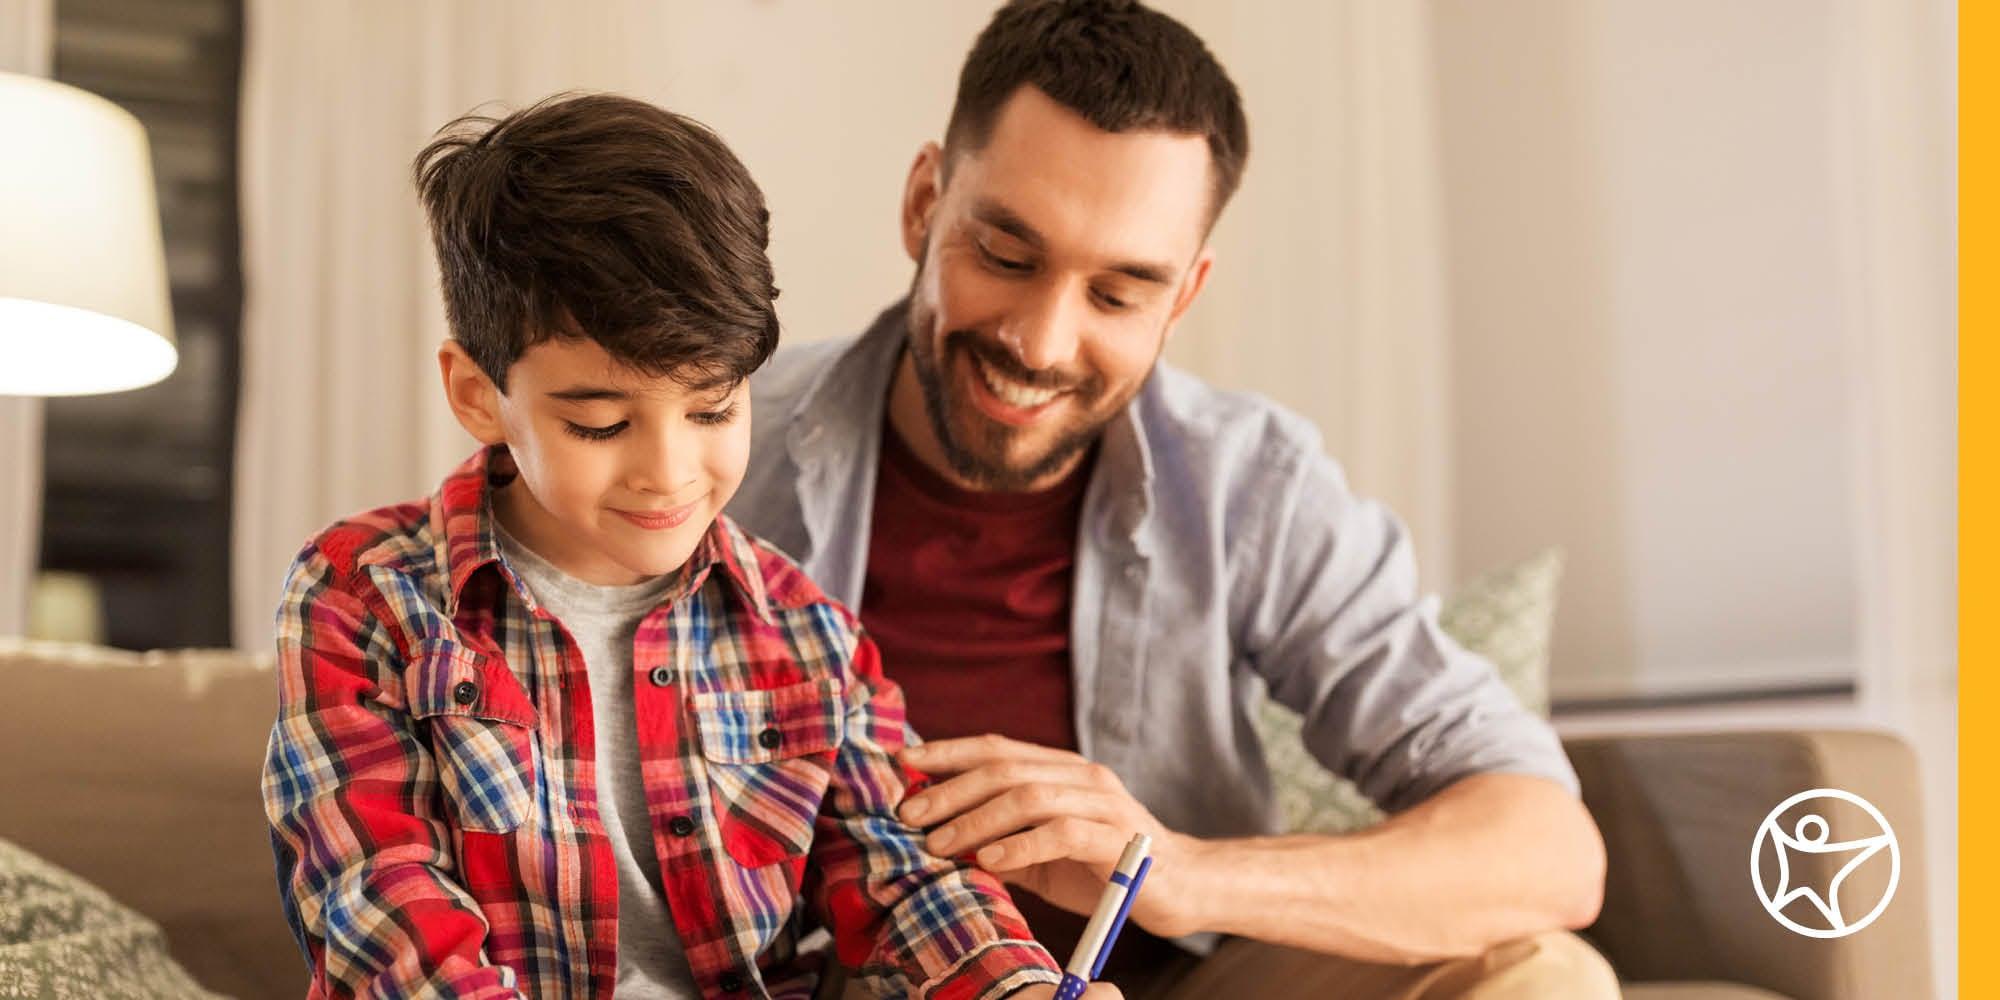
(562, 727)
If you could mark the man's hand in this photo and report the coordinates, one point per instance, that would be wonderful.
(1050, 822)
(1095, 991)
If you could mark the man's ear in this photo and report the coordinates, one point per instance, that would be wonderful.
(1191, 286)
(474, 399)
(921, 191)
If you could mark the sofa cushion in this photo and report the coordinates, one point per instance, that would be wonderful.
(140, 773)
(1695, 991)
(61, 937)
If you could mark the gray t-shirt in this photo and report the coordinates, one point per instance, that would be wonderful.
(652, 965)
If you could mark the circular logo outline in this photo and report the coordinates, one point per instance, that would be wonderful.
(1764, 831)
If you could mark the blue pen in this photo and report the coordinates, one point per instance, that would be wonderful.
(1109, 917)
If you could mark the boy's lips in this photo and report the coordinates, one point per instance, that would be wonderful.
(659, 520)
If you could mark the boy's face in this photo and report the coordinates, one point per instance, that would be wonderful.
(621, 472)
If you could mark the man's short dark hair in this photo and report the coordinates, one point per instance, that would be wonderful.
(1119, 64)
(601, 217)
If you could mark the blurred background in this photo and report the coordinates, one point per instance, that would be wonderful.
(1669, 287)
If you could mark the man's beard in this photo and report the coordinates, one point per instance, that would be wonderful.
(978, 453)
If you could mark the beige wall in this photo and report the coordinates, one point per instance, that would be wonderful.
(1703, 334)
(1650, 354)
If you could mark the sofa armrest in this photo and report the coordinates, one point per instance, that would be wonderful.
(1680, 814)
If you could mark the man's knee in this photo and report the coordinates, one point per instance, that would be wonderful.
(1557, 965)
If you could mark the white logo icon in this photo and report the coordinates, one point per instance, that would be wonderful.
(1809, 838)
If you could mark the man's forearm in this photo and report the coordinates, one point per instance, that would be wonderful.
(1489, 859)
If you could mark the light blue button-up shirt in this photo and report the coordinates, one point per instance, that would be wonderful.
(1220, 554)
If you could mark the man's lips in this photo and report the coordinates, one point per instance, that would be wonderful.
(994, 405)
(659, 520)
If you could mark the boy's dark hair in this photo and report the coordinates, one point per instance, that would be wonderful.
(1121, 65)
(601, 217)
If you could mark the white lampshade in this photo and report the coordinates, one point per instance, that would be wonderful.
(83, 274)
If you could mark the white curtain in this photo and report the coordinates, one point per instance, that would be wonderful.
(27, 31)
(341, 410)
(1328, 297)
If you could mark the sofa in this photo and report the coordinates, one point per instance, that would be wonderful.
(138, 774)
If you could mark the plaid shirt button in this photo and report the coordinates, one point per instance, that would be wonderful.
(730, 982)
(662, 676)
(769, 739)
(465, 693)
(681, 826)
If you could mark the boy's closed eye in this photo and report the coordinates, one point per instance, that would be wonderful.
(706, 418)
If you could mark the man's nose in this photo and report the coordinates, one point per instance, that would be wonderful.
(1045, 332)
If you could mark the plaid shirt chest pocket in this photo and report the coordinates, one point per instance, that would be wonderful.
(481, 728)
(769, 755)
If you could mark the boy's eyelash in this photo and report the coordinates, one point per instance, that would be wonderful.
(595, 433)
(710, 418)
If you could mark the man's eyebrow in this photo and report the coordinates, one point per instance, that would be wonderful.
(1000, 217)
(1003, 218)
(589, 393)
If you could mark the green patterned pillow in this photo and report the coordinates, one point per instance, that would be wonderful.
(63, 939)
(1506, 616)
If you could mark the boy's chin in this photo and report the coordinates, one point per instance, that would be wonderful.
(654, 559)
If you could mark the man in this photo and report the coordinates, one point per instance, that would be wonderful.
(1081, 565)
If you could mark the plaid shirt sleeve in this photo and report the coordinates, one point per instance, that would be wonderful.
(365, 865)
(909, 922)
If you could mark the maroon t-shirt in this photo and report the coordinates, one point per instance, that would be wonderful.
(968, 597)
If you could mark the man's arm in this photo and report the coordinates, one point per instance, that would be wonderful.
(1491, 858)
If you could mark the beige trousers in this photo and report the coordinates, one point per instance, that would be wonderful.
(1552, 966)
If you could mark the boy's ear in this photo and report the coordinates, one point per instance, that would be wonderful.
(474, 399)
(920, 197)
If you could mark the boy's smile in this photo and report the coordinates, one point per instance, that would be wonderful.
(621, 472)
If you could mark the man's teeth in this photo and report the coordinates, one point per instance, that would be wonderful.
(1011, 392)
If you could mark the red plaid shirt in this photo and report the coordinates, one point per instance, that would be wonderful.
(430, 781)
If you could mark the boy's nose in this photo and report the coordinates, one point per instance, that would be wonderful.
(661, 469)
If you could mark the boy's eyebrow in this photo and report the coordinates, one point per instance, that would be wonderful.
(589, 393)
(1001, 217)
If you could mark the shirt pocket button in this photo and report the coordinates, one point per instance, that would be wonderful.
(681, 826)
(465, 693)
(662, 676)
(769, 739)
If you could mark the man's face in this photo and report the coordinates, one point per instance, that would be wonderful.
(621, 472)
(1050, 269)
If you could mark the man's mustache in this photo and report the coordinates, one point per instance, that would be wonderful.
(1003, 361)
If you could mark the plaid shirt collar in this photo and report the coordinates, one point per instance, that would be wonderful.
(462, 521)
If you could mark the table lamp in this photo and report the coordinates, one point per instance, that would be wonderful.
(83, 276)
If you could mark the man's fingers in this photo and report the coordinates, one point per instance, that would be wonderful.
(967, 752)
(1067, 838)
(1018, 809)
(954, 796)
